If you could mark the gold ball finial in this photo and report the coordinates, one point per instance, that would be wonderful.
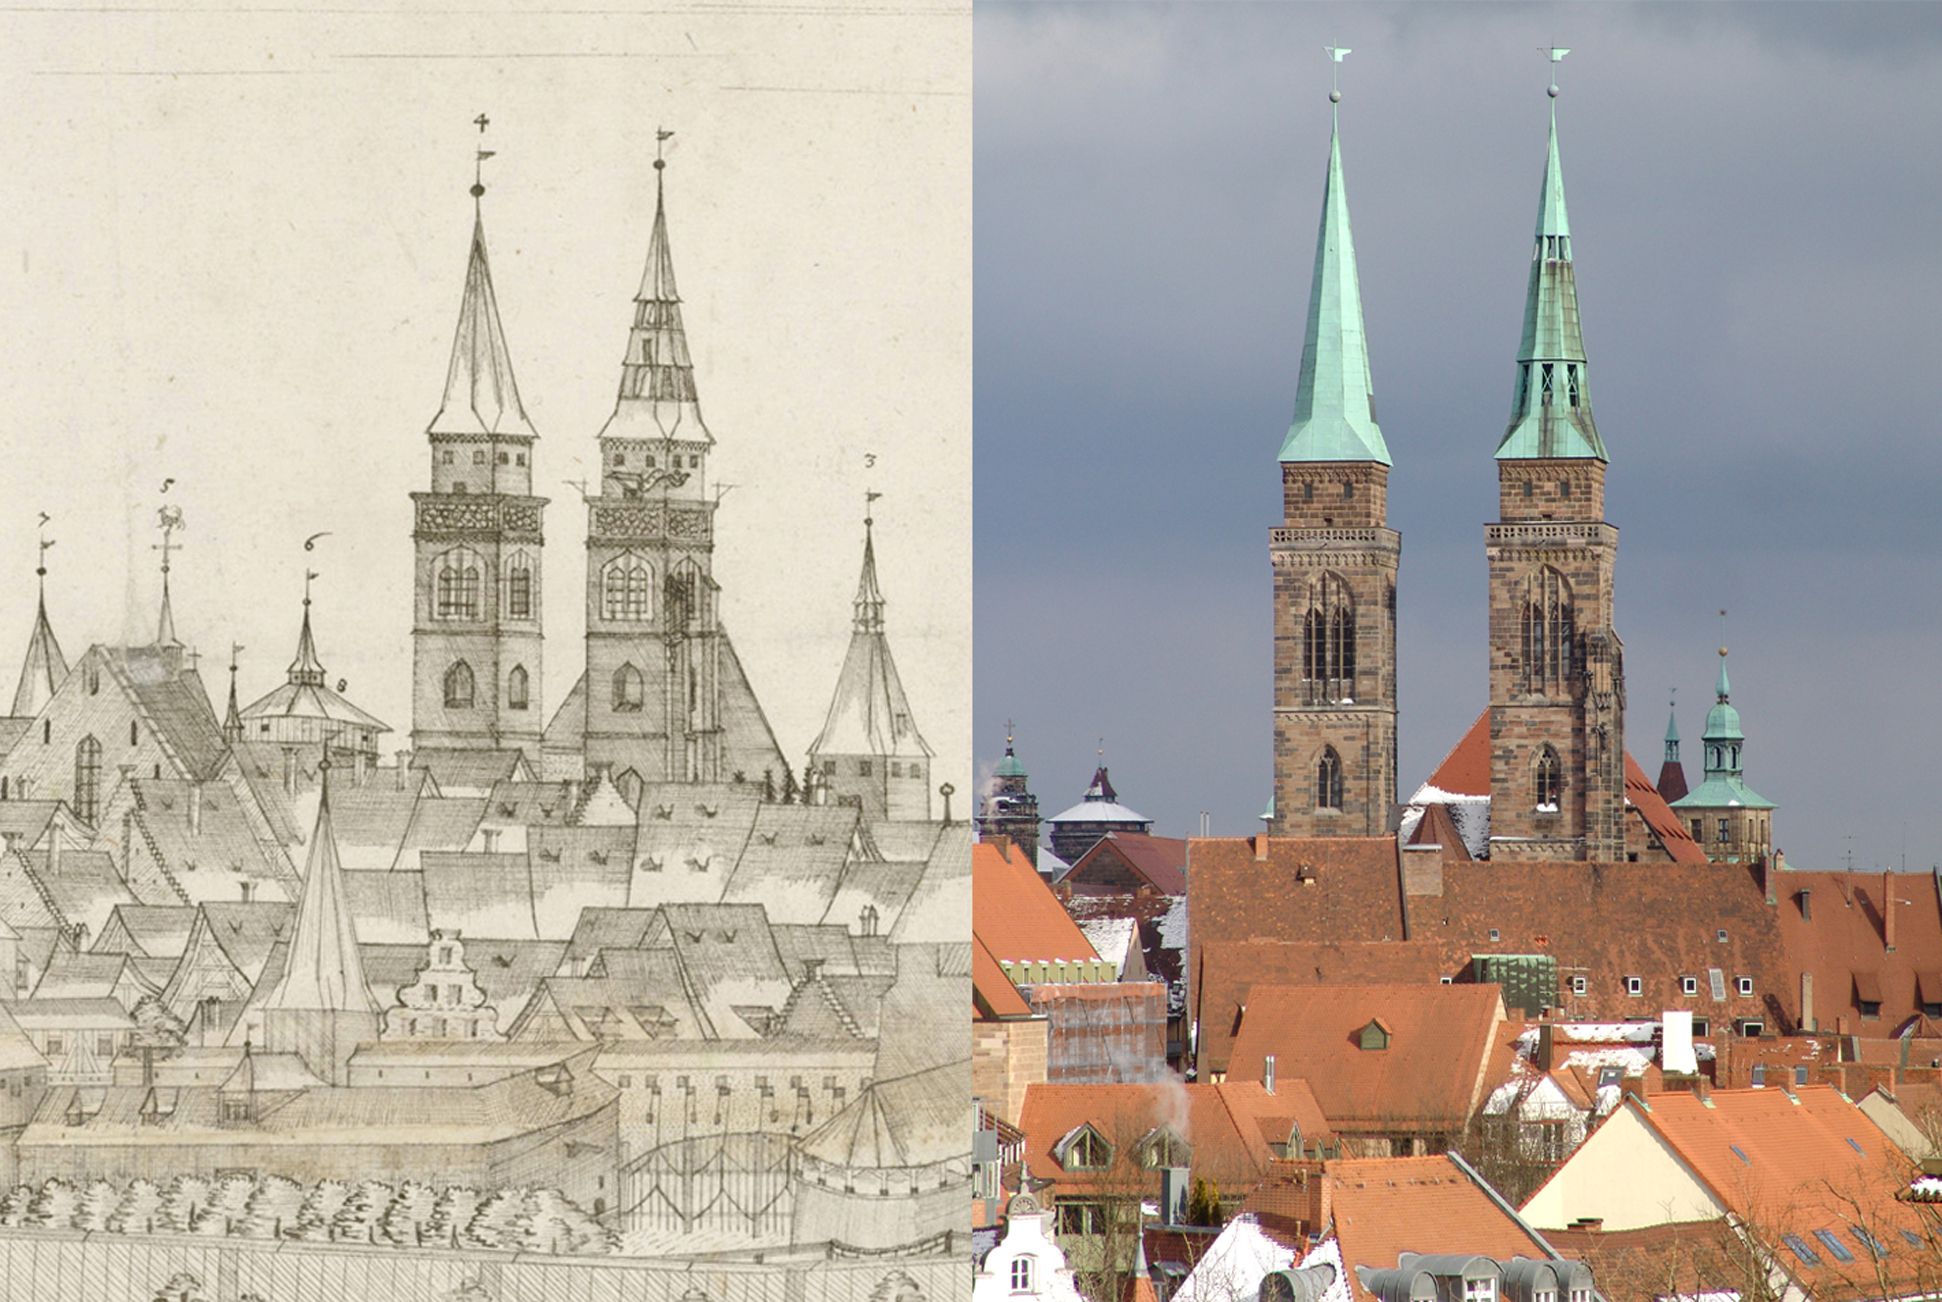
(1722, 652)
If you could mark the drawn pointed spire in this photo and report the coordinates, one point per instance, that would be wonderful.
(657, 379)
(323, 971)
(306, 670)
(170, 520)
(1551, 416)
(869, 713)
(43, 667)
(233, 717)
(481, 395)
(1335, 405)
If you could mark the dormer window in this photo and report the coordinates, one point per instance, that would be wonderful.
(1374, 1036)
(1085, 1149)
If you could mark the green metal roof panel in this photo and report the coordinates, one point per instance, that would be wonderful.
(1009, 767)
(1721, 791)
(1551, 416)
(1335, 405)
(1723, 724)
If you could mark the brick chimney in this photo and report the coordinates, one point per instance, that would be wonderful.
(1546, 1046)
(1807, 1022)
(1261, 848)
(1888, 892)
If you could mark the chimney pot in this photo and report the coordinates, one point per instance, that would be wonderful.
(1267, 1074)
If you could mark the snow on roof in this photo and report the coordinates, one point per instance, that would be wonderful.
(1112, 937)
(1099, 811)
(1173, 925)
(1471, 814)
(1236, 1262)
(1926, 1188)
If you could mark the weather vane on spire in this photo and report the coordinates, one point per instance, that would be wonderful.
(1336, 53)
(308, 577)
(40, 569)
(169, 520)
(479, 156)
(1557, 52)
(661, 136)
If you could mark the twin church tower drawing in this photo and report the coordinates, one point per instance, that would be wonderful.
(663, 697)
(1556, 674)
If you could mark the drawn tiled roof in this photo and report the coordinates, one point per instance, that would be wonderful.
(834, 947)
(16, 1050)
(1386, 1206)
(86, 1013)
(905, 1123)
(175, 705)
(24, 822)
(601, 927)
(42, 669)
(446, 823)
(651, 1003)
(371, 821)
(885, 888)
(147, 930)
(509, 971)
(84, 888)
(938, 908)
(245, 932)
(908, 840)
(1160, 860)
(218, 835)
(794, 858)
(461, 769)
(1016, 915)
(323, 969)
(869, 714)
(530, 804)
(1430, 1074)
(478, 894)
(481, 396)
(573, 868)
(748, 743)
(72, 975)
(388, 907)
(689, 838)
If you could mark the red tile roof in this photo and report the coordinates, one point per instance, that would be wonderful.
(993, 996)
(1016, 915)
(1161, 861)
(1225, 1127)
(1666, 826)
(1843, 936)
(1430, 1077)
(1386, 1206)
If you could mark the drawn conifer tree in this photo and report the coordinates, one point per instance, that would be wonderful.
(13, 1207)
(228, 1205)
(492, 1226)
(53, 1205)
(320, 1207)
(407, 1222)
(97, 1206)
(139, 1209)
(456, 1207)
(273, 1207)
(185, 1196)
(361, 1214)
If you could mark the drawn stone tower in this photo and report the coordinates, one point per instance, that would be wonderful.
(1334, 559)
(869, 751)
(476, 638)
(1557, 679)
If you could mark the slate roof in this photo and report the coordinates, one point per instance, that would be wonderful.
(1431, 1075)
(1016, 915)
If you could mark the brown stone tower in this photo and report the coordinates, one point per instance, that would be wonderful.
(1557, 679)
(1334, 559)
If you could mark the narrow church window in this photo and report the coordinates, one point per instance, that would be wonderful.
(517, 688)
(1308, 492)
(519, 587)
(520, 459)
(46, 731)
(630, 689)
(1328, 780)
(459, 687)
(94, 679)
(87, 779)
(456, 590)
(627, 589)
(1547, 383)
(1564, 488)
(1550, 780)
(1348, 490)
(1571, 383)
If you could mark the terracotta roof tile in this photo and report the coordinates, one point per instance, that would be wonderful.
(1386, 1206)
(1838, 934)
(1430, 1075)
(993, 996)
(1222, 1124)
(1668, 827)
(1160, 860)
(1016, 915)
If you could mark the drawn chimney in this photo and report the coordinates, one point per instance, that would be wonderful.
(1888, 892)
(195, 809)
(1267, 1074)
(289, 770)
(404, 768)
(54, 848)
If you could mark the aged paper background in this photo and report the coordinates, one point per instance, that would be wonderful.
(231, 254)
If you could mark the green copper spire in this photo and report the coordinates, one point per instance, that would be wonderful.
(1551, 416)
(1335, 405)
(1672, 736)
(1724, 785)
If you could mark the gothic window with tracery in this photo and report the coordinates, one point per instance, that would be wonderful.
(87, 778)
(518, 688)
(460, 687)
(1328, 642)
(1328, 780)
(519, 587)
(456, 586)
(1550, 779)
(627, 589)
(630, 689)
(1550, 633)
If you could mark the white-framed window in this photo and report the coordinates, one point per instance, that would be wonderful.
(1634, 986)
(1746, 987)
(1579, 985)
(1688, 985)
(1480, 1290)
(1022, 1273)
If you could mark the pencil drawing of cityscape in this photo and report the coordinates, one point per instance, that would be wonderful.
(598, 997)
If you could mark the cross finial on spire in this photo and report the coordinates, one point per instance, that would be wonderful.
(1008, 732)
(479, 156)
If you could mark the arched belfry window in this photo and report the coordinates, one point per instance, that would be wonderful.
(1550, 634)
(456, 578)
(630, 689)
(87, 779)
(1328, 642)
(627, 589)
(519, 586)
(460, 687)
(1549, 777)
(1328, 780)
(518, 689)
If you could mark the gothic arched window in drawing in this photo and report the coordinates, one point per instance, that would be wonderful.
(1328, 780)
(627, 589)
(1550, 780)
(518, 689)
(1328, 642)
(456, 578)
(684, 604)
(519, 586)
(1550, 634)
(460, 688)
(87, 779)
(630, 689)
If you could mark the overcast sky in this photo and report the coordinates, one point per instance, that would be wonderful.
(232, 249)
(1754, 193)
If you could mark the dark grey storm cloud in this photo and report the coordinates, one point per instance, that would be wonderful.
(1753, 192)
